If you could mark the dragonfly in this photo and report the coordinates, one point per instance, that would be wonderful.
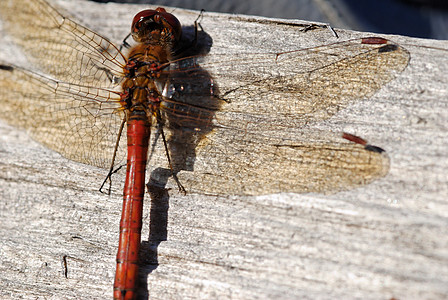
(216, 129)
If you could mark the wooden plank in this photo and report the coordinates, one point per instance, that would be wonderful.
(386, 239)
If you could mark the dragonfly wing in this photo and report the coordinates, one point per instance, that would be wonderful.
(252, 140)
(304, 85)
(59, 46)
(189, 97)
(229, 161)
(80, 122)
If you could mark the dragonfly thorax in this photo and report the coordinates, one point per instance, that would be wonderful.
(144, 80)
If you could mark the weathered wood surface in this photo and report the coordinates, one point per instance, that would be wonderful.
(386, 239)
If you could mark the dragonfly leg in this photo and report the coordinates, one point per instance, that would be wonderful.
(196, 25)
(124, 43)
(111, 170)
(179, 185)
(109, 177)
(184, 49)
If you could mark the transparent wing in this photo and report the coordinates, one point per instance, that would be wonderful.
(80, 122)
(235, 120)
(59, 46)
(269, 164)
(296, 87)
(310, 84)
(249, 138)
(230, 161)
(75, 112)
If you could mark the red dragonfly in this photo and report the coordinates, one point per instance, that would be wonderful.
(243, 137)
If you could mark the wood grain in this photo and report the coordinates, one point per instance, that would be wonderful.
(386, 239)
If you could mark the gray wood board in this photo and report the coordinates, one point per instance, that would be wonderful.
(386, 239)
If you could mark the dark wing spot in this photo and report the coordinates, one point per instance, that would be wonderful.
(6, 68)
(388, 48)
(374, 149)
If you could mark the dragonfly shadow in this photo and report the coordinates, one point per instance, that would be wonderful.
(193, 42)
(189, 106)
(187, 116)
(192, 103)
(158, 233)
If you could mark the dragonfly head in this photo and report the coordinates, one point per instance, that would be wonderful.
(156, 26)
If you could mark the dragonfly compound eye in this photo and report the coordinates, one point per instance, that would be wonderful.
(149, 25)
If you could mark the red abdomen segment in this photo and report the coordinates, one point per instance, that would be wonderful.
(138, 133)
